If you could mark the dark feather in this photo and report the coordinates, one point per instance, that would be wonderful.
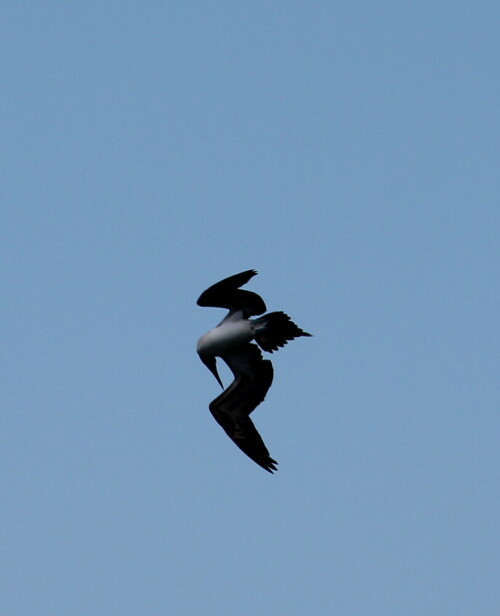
(253, 377)
(227, 294)
(278, 330)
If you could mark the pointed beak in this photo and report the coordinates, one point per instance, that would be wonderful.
(211, 363)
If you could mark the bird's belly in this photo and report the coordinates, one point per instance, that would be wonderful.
(225, 337)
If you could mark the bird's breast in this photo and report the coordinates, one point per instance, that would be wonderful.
(226, 336)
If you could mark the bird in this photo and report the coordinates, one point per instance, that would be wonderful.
(232, 340)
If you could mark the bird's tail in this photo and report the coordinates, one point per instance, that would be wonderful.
(274, 330)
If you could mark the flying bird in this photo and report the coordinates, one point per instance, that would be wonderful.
(232, 340)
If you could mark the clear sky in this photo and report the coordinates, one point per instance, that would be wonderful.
(348, 151)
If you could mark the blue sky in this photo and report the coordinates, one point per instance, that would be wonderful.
(348, 151)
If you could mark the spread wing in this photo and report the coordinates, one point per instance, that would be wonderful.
(227, 294)
(253, 376)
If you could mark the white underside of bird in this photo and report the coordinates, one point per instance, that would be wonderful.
(231, 332)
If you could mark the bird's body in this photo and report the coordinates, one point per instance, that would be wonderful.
(232, 340)
(231, 332)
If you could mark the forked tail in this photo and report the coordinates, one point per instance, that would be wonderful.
(274, 330)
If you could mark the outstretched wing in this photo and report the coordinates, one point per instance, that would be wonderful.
(253, 376)
(227, 294)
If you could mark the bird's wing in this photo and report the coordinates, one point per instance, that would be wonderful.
(227, 294)
(253, 376)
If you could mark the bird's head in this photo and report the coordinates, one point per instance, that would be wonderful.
(211, 363)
